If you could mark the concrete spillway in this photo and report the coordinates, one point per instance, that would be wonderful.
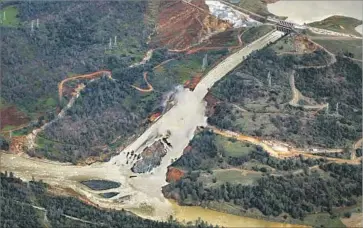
(182, 120)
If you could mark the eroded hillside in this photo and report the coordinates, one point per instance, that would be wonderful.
(181, 24)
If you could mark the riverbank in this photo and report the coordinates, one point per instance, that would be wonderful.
(340, 24)
(301, 11)
(192, 213)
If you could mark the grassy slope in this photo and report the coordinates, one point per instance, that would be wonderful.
(246, 86)
(339, 24)
(245, 175)
(11, 16)
(342, 46)
(255, 6)
(234, 148)
(256, 32)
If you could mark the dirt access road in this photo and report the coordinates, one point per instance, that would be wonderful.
(279, 150)
(333, 59)
(83, 76)
(297, 96)
(150, 87)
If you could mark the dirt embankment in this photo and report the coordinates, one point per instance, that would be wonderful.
(181, 25)
(211, 103)
(174, 174)
(10, 116)
(191, 84)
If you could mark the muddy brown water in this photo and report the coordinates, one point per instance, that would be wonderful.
(192, 213)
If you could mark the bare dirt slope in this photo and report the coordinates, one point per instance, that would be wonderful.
(181, 24)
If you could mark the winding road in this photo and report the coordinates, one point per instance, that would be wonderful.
(83, 76)
(333, 59)
(150, 87)
(279, 150)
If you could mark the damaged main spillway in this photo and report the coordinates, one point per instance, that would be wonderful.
(150, 157)
(178, 126)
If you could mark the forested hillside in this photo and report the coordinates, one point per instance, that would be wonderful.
(110, 111)
(71, 38)
(239, 178)
(51, 41)
(31, 205)
(249, 104)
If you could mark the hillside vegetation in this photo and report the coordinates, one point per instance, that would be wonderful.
(349, 48)
(255, 184)
(72, 38)
(339, 24)
(249, 105)
(32, 205)
(109, 112)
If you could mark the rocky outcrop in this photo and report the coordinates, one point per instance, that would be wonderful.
(150, 158)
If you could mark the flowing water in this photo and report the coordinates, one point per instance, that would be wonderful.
(182, 120)
(309, 11)
(193, 213)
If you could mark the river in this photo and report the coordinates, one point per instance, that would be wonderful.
(193, 213)
(145, 189)
(308, 11)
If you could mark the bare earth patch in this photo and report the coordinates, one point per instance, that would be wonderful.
(10, 116)
(354, 221)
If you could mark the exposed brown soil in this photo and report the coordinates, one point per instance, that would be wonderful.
(154, 117)
(211, 103)
(68, 91)
(93, 159)
(16, 144)
(304, 45)
(187, 149)
(191, 84)
(223, 38)
(354, 221)
(83, 76)
(174, 174)
(12, 116)
(182, 24)
(227, 39)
